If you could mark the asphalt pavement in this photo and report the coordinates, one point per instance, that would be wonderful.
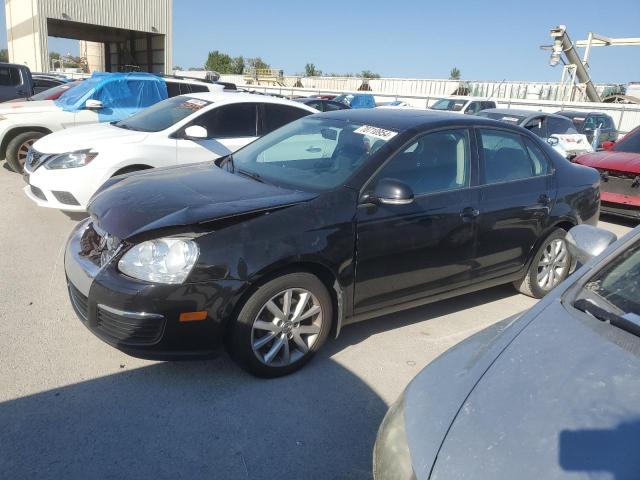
(73, 407)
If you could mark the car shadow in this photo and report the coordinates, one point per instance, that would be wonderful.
(75, 216)
(358, 332)
(617, 220)
(195, 420)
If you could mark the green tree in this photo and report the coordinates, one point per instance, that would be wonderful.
(369, 74)
(454, 74)
(310, 70)
(4, 55)
(257, 63)
(218, 62)
(237, 65)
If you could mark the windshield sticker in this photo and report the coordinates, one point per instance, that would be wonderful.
(376, 132)
(510, 119)
(194, 104)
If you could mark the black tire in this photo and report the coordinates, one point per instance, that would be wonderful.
(16, 153)
(241, 337)
(530, 285)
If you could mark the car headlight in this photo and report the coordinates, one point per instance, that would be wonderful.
(165, 260)
(76, 159)
(391, 456)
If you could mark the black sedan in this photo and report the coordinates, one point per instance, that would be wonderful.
(554, 393)
(588, 123)
(329, 220)
(323, 105)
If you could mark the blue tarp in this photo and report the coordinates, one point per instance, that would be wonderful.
(121, 94)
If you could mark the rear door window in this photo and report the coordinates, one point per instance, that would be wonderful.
(196, 88)
(173, 89)
(275, 116)
(506, 158)
(537, 126)
(560, 126)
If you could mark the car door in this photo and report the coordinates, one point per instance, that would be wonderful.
(408, 252)
(229, 127)
(516, 195)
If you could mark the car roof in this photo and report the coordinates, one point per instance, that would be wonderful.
(522, 112)
(401, 119)
(576, 113)
(242, 97)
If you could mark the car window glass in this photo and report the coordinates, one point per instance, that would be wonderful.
(331, 106)
(505, 158)
(539, 160)
(44, 83)
(275, 116)
(560, 126)
(9, 76)
(173, 89)
(535, 126)
(473, 107)
(316, 105)
(435, 162)
(590, 123)
(195, 88)
(237, 120)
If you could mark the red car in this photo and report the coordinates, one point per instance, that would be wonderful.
(619, 167)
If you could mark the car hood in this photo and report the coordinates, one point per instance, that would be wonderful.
(87, 136)
(128, 206)
(612, 160)
(19, 108)
(562, 398)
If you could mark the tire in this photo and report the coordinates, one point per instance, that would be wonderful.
(259, 340)
(17, 149)
(536, 284)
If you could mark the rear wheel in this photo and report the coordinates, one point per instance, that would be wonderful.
(281, 326)
(18, 148)
(550, 266)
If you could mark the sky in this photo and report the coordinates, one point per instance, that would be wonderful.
(486, 40)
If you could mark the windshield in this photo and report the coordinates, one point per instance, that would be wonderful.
(503, 117)
(450, 104)
(617, 284)
(311, 153)
(630, 143)
(53, 92)
(163, 114)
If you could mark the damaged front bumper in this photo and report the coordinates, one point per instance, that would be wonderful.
(141, 318)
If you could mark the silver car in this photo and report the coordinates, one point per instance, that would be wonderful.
(554, 393)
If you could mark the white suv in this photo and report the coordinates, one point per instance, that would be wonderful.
(64, 169)
(21, 124)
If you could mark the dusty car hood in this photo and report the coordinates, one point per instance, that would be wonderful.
(612, 160)
(87, 136)
(160, 198)
(562, 399)
(18, 108)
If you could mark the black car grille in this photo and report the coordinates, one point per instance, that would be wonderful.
(65, 198)
(79, 302)
(127, 330)
(37, 192)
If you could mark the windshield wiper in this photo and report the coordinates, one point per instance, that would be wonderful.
(252, 175)
(626, 322)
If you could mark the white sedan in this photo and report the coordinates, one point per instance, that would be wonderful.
(64, 169)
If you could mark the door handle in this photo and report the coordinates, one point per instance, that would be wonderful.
(468, 214)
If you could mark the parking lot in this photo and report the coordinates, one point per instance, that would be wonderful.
(73, 407)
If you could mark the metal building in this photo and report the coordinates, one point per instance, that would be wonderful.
(130, 34)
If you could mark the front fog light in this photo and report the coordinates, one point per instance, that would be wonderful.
(391, 456)
(165, 260)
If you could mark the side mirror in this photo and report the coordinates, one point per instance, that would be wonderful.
(553, 141)
(93, 105)
(390, 191)
(586, 242)
(608, 145)
(195, 132)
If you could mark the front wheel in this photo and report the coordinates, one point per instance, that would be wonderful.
(550, 266)
(18, 148)
(282, 324)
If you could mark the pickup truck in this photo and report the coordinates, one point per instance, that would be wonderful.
(15, 81)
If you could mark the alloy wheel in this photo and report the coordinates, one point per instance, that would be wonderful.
(286, 327)
(23, 151)
(553, 264)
